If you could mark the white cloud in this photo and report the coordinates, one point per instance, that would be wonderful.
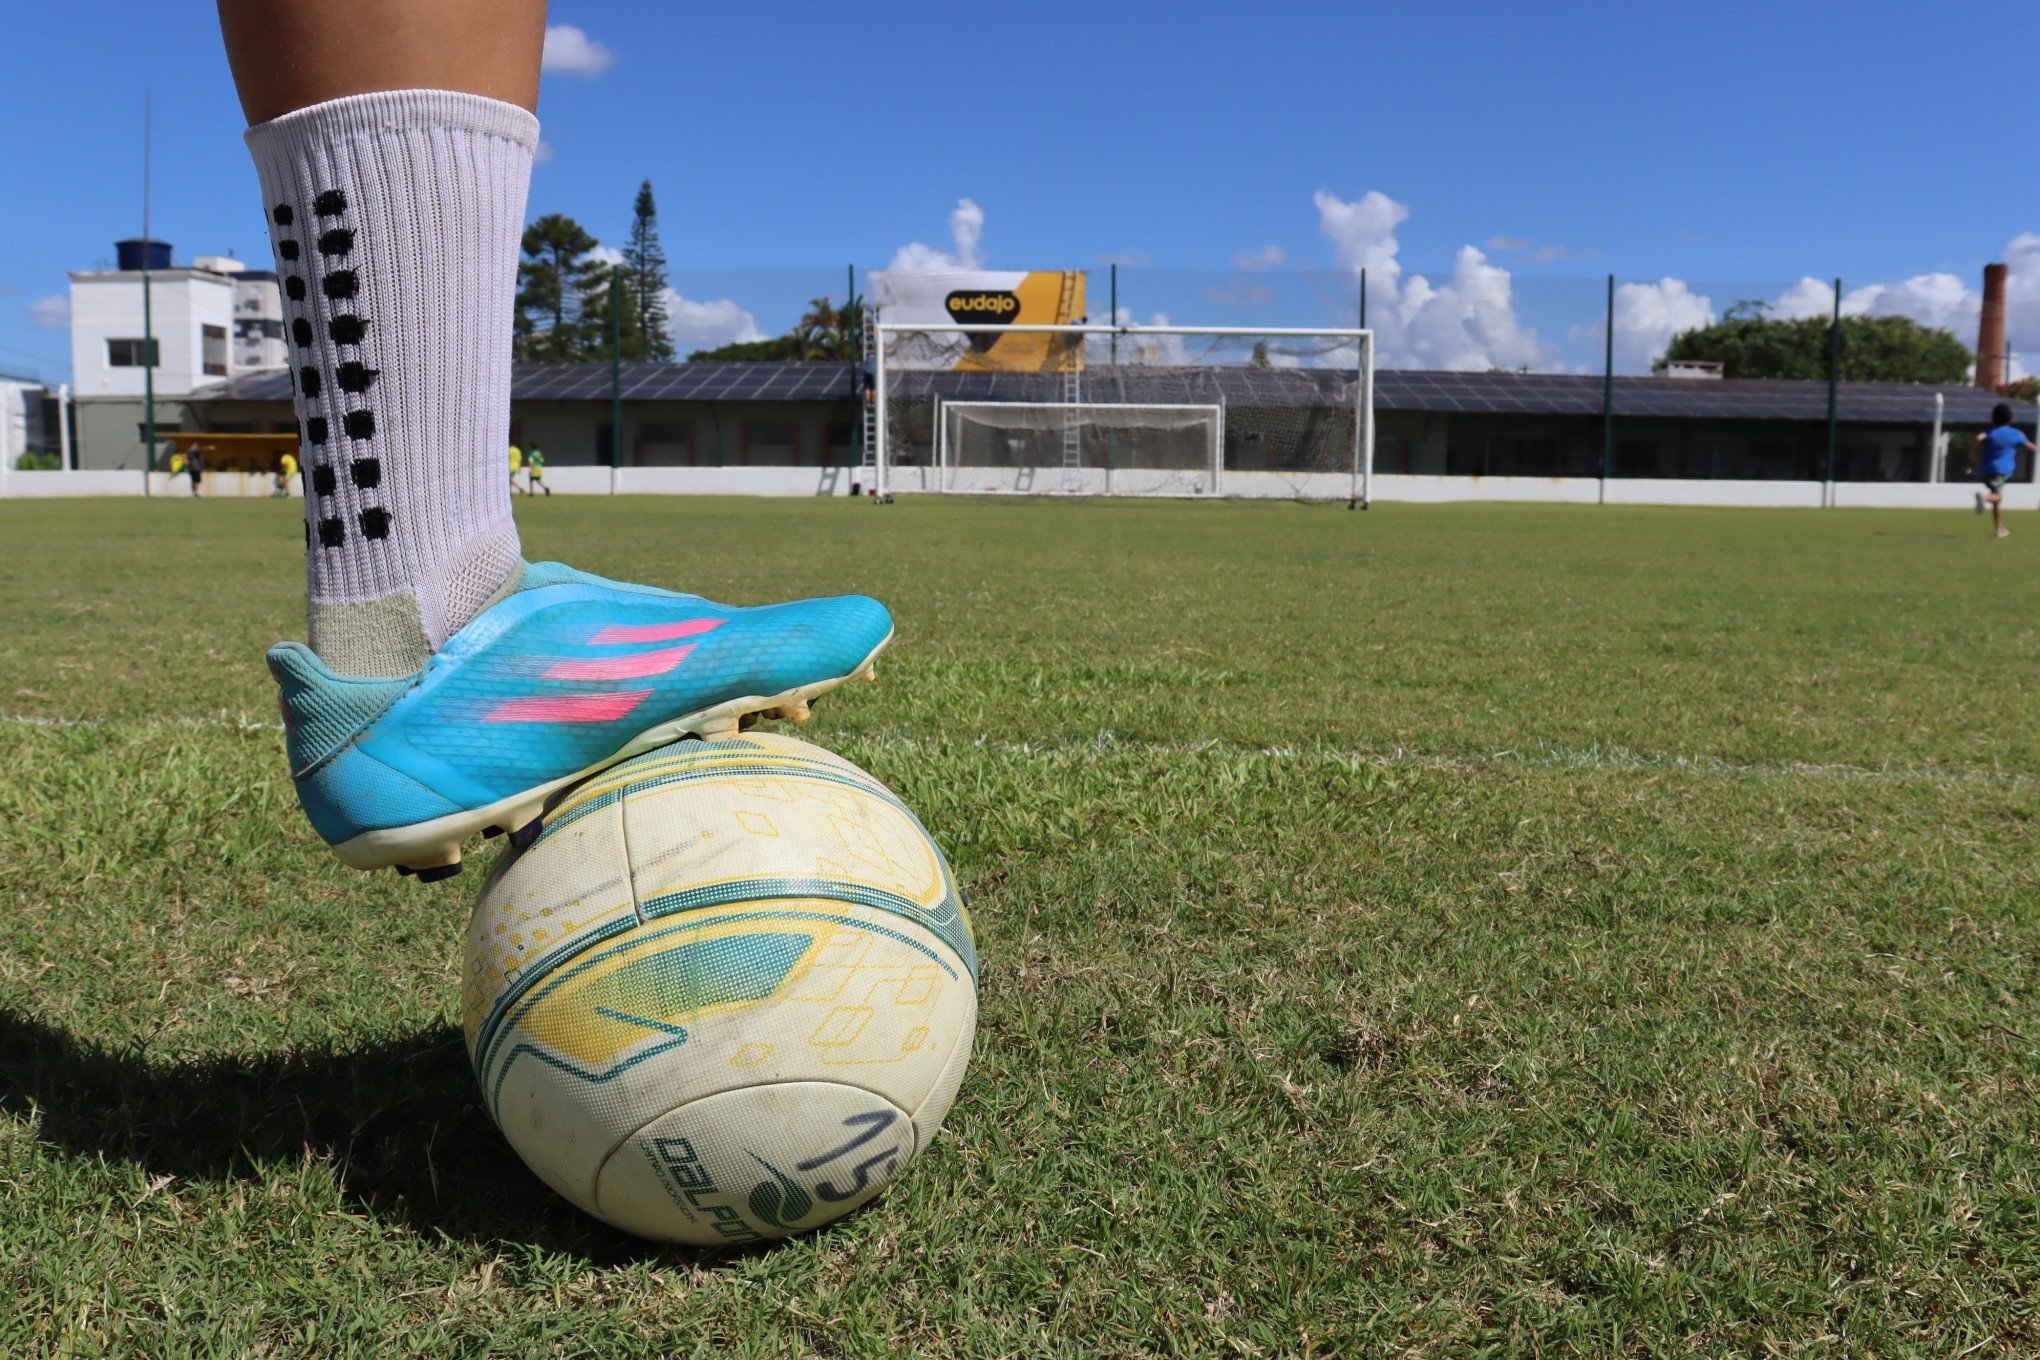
(569, 51)
(1510, 243)
(704, 325)
(1134, 257)
(1648, 315)
(1808, 297)
(1267, 257)
(51, 313)
(544, 154)
(1466, 321)
(608, 255)
(1362, 232)
(966, 230)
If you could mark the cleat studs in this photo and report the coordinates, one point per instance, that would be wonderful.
(490, 833)
(439, 872)
(405, 871)
(747, 722)
(523, 836)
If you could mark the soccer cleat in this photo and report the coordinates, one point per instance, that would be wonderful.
(562, 678)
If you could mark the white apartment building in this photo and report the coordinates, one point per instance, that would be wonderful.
(212, 320)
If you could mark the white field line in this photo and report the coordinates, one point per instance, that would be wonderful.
(1590, 758)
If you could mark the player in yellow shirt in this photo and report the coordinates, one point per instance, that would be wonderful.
(286, 472)
(516, 465)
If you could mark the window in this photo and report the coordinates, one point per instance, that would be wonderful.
(213, 349)
(128, 354)
(771, 443)
(665, 443)
(842, 444)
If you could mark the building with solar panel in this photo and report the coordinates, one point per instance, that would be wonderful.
(793, 428)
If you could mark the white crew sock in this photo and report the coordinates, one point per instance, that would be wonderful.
(396, 219)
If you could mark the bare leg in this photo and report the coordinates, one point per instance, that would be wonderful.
(288, 54)
(1997, 511)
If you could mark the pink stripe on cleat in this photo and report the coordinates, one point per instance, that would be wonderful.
(619, 667)
(654, 632)
(568, 708)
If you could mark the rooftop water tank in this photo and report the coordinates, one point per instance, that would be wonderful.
(139, 252)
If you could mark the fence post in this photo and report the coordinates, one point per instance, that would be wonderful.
(1834, 378)
(615, 376)
(1608, 396)
(1934, 445)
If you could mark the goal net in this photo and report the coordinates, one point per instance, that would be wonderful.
(1122, 410)
(1103, 449)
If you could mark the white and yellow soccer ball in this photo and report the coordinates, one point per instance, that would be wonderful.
(727, 995)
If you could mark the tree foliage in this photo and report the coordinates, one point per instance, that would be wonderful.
(824, 331)
(1747, 343)
(651, 335)
(560, 293)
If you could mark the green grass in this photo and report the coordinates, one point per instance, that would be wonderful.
(1455, 931)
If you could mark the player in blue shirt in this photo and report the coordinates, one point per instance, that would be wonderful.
(1997, 457)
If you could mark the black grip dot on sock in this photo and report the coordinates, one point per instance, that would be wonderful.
(375, 522)
(366, 472)
(332, 533)
(338, 241)
(359, 424)
(341, 283)
(308, 533)
(330, 203)
(301, 331)
(294, 288)
(308, 381)
(323, 480)
(289, 251)
(347, 330)
(354, 377)
(315, 429)
(282, 214)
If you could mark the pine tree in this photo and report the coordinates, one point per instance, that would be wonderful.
(646, 263)
(559, 293)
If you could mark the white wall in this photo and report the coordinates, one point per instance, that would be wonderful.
(26, 484)
(1388, 488)
(108, 305)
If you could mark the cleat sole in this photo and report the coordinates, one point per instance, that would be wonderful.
(436, 844)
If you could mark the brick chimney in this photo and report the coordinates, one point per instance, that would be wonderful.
(1990, 334)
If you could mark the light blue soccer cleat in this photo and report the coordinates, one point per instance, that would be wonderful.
(564, 677)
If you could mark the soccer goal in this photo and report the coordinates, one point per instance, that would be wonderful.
(1122, 410)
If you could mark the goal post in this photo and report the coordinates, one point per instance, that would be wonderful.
(1125, 411)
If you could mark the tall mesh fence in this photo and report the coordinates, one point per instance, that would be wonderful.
(1114, 413)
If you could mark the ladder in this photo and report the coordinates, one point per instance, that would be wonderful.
(1069, 356)
(868, 461)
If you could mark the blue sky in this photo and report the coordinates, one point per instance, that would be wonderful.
(1676, 147)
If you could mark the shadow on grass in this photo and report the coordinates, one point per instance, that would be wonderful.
(398, 1122)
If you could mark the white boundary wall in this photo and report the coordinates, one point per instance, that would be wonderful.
(1387, 487)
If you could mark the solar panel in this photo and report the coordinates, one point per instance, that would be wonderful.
(1411, 390)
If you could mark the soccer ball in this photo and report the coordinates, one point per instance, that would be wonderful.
(727, 995)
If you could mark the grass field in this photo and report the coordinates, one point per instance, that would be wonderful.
(1451, 931)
